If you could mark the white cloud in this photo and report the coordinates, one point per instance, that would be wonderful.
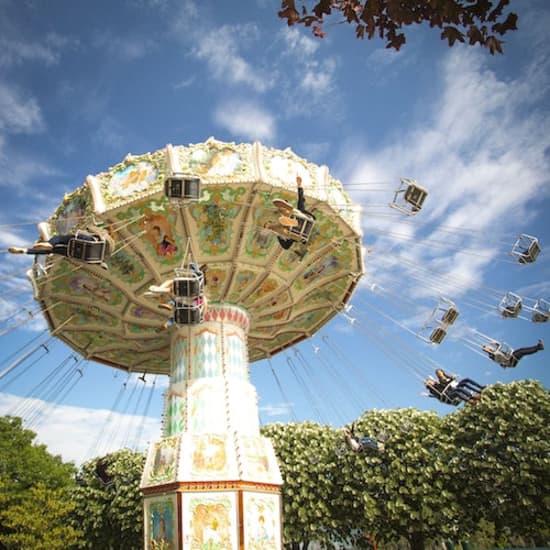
(298, 44)
(9, 238)
(110, 133)
(48, 52)
(125, 48)
(308, 70)
(482, 157)
(16, 171)
(383, 57)
(78, 433)
(276, 409)
(318, 78)
(185, 83)
(246, 120)
(18, 114)
(315, 151)
(220, 49)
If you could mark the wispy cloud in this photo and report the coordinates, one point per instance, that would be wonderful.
(184, 83)
(482, 156)
(126, 48)
(19, 114)
(48, 51)
(16, 171)
(221, 48)
(110, 133)
(309, 73)
(246, 120)
(276, 409)
(78, 433)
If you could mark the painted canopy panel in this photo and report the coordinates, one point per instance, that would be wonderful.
(289, 294)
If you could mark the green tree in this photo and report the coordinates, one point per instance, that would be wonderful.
(108, 502)
(478, 22)
(33, 490)
(333, 494)
(39, 520)
(309, 466)
(403, 491)
(500, 466)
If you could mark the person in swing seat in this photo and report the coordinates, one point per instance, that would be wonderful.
(511, 359)
(286, 222)
(59, 244)
(360, 444)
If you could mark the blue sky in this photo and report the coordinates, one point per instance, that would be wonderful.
(83, 84)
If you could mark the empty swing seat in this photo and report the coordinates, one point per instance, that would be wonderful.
(182, 187)
(540, 317)
(541, 312)
(511, 311)
(187, 314)
(531, 254)
(409, 197)
(450, 316)
(438, 335)
(87, 250)
(415, 196)
(510, 305)
(526, 249)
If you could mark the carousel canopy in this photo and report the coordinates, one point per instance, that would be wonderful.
(106, 315)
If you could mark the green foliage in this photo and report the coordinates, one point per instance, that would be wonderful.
(110, 514)
(459, 20)
(39, 521)
(34, 506)
(23, 463)
(404, 491)
(501, 462)
(482, 472)
(309, 465)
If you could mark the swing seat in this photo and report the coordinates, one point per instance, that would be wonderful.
(102, 474)
(510, 305)
(409, 197)
(187, 287)
(438, 335)
(511, 312)
(188, 283)
(302, 231)
(415, 196)
(531, 254)
(503, 355)
(450, 316)
(541, 311)
(187, 314)
(526, 249)
(505, 360)
(446, 399)
(368, 443)
(182, 187)
(84, 250)
(539, 317)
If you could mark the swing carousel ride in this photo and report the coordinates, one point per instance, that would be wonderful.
(272, 273)
(215, 205)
